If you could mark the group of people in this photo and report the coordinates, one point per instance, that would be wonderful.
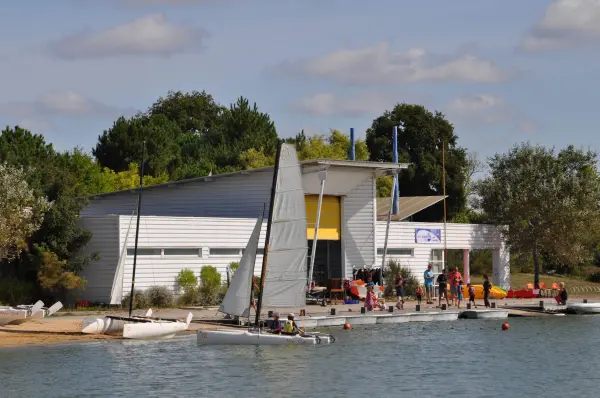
(289, 326)
(454, 278)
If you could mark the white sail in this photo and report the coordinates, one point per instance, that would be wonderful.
(285, 280)
(237, 299)
(116, 293)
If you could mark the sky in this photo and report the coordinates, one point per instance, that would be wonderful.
(503, 71)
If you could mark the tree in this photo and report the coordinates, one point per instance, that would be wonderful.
(420, 144)
(334, 146)
(549, 202)
(21, 212)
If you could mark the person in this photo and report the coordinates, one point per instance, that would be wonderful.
(419, 294)
(487, 287)
(455, 278)
(291, 327)
(471, 294)
(400, 291)
(370, 298)
(562, 296)
(459, 293)
(276, 324)
(428, 277)
(442, 281)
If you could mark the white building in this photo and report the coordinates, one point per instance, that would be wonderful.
(208, 221)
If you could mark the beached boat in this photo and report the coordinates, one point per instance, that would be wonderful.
(584, 308)
(285, 252)
(135, 327)
(23, 313)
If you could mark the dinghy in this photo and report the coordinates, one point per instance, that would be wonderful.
(24, 313)
(135, 327)
(283, 274)
(584, 308)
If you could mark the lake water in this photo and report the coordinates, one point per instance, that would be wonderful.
(551, 356)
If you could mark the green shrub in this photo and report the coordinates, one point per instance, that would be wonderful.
(187, 279)
(210, 285)
(140, 300)
(190, 296)
(411, 282)
(233, 266)
(14, 291)
(595, 277)
(160, 296)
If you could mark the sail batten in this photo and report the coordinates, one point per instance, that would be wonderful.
(285, 279)
(237, 299)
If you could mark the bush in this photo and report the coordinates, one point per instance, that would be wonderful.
(233, 266)
(159, 296)
(210, 285)
(140, 300)
(595, 277)
(411, 282)
(14, 291)
(187, 279)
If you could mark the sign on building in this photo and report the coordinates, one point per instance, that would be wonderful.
(427, 235)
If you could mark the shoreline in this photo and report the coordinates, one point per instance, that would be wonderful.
(65, 328)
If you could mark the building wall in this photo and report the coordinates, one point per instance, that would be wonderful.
(358, 227)
(105, 242)
(460, 236)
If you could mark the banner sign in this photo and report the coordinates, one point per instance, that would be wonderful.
(425, 235)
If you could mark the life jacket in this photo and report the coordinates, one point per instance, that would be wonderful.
(288, 327)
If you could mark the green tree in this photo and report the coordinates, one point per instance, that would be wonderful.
(420, 143)
(549, 202)
(336, 145)
(21, 212)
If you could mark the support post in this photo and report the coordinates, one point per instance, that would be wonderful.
(352, 145)
(466, 265)
(387, 228)
(323, 178)
(396, 185)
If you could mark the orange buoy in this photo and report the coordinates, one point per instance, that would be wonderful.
(347, 326)
(505, 326)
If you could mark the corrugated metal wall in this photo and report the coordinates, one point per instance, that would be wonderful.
(241, 195)
(105, 242)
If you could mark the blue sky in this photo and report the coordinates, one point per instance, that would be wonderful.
(503, 71)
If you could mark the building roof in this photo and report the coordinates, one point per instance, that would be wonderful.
(407, 206)
(379, 168)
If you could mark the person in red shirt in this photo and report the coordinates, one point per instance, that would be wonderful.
(455, 278)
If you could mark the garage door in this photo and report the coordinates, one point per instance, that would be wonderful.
(330, 222)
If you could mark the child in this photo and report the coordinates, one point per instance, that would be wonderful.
(459, 293)
(471, 294)
(419, 294)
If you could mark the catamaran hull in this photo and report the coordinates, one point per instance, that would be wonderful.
(235, 337)
(90, 325)
(24, 313)
(584, 308)
(11, 317)
(159, 330)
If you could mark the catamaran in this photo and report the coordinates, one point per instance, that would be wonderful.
(283, 275)
(23, 313)
(136, 327)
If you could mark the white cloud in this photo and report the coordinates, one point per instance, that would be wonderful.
(329, 104)
(40, 114)
(565, 24)
(487, 109)
(377, 64)
(151, 34)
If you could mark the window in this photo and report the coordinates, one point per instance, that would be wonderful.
(181, 252)
(225, 252)
(259, 252)
(143, 251)
(437, 260)
(396, 252)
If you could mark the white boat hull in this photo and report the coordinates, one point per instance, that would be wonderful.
(10, 316)
(136, 327)
(486, 314)
(239, 337)
(24, 313)
(584, 308)
(330, 321)
(153, 330)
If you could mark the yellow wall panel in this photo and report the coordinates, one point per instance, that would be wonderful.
(330, 225)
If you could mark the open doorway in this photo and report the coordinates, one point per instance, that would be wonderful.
(328, 260)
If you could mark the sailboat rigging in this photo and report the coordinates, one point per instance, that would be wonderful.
(136, 327)
(283, 272)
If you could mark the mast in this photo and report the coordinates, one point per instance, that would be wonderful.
(137, 226)
(268, 234)
(444, 189)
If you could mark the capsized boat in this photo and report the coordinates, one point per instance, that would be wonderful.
(283, 273)
(584, 308)
(135, 327)
(24, 313)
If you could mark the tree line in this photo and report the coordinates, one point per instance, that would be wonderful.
(548, 200)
